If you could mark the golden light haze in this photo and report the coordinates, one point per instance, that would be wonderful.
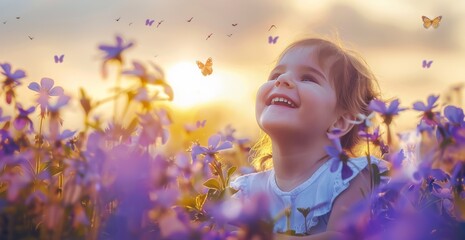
(388, 33)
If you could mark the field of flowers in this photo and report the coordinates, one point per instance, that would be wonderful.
(112, 181)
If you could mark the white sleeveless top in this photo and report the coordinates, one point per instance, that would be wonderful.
(322, 186)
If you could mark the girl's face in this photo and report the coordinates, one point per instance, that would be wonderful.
(298, 96)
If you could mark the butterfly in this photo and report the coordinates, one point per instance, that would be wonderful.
(192, 127)
(427, 64)
(207, 67)
(234, 24)
(149, 22)
(59, 59)
(272, 26)
(18, 17)
(189, 20)
(209, 36)
(428, 22)
(272, 40)
(160, 22)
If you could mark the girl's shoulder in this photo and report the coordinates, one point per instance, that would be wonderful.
(335, 184)
(243, 183)
(358, 164)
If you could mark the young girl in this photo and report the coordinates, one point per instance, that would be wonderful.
(316, 87)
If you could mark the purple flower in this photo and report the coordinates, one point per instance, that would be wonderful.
(113, 53)
(45, 90)
(185, 166)
(143, 97)
(457, 179)
(11, 81)
(387, 112)
(339, 156)
(375, 138)
(428, 115)
(454, 115)
(12, 77)
(23, 118)
(423, 126)
(144, 76)
(66, 134)
(153, 127)
(228, 135)
(15, 182)
(60, 103)
(445, 199)
(7, 143)
(397, 159)
(214, 146)
(3, 118)
(431, 177)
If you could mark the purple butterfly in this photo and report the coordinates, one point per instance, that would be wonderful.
(272, 40)
(59, 59)
(191, 127)
(427, 64)
(149, 22)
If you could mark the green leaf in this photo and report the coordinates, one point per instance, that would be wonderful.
(376, 175)
(212, 183)
(304, 211)
(200, 200)
(231, 171)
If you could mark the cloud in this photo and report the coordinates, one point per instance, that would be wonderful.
(385, 32)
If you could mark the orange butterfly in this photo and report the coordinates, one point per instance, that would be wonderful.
(207, 67)
(428, 22)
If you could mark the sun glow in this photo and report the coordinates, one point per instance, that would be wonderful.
(190, 87)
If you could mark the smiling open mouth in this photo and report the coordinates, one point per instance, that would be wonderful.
(283, 102)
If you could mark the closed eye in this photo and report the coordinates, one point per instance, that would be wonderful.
(309, 78)
(274, 76)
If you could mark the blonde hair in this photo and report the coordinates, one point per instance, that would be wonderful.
(353, 81)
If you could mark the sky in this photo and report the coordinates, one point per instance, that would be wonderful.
(389, 34)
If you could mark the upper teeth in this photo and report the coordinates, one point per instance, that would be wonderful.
(280, 99)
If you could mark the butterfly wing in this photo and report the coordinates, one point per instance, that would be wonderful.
(200, 65)
(427, 64)
(56, 58)
(436, 21)
(426, 21)
(209, 66)
(149, 22)
(61, 58)
(272, 40)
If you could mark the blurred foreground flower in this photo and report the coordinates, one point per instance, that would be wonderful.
(113, 53)
(45, 90)
(11, 81)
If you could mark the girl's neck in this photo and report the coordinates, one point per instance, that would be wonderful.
(294, 164)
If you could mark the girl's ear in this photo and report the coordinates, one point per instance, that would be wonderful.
(343, 123)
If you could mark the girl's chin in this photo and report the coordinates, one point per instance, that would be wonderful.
(278, 127)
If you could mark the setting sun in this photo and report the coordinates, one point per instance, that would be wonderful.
(191, 88)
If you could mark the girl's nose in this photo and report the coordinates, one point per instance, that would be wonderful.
(284, 81)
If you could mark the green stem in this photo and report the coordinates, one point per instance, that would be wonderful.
(389, 137)
(95, 223)
(370, 172)
(117, 86)
(39, 144)
(220, 172)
